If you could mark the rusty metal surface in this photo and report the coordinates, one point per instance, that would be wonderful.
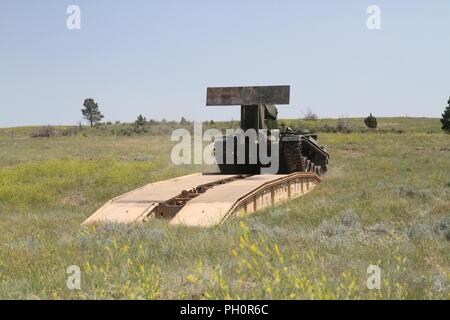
(258, 95)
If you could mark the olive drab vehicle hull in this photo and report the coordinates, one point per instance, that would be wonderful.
(239, 188)
(240, 152)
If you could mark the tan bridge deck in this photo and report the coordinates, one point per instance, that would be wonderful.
(204, 200)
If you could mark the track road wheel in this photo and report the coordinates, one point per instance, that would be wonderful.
(302, 164)
(318, 170)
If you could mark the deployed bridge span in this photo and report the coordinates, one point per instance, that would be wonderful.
(210, 199)
(204, 199)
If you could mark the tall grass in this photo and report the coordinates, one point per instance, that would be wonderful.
(385, 202)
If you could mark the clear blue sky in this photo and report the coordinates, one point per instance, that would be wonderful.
(158, 57)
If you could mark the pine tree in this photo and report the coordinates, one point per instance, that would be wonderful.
(371, 122)
(446, 118)
(91, 112)
(140, 121)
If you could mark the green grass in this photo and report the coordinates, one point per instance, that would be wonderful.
(385, 202)
(405, 124)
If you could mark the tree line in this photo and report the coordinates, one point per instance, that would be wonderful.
(92, 114)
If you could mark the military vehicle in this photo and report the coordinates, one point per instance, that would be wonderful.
(208, 199)
(297, 151)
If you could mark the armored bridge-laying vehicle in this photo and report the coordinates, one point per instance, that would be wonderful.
(297, 151)
(204, 200)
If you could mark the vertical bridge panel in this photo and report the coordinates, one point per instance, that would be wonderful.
(235, 96)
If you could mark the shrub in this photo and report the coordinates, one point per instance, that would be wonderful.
(325, 128)
(69, 132)
(310, 115)
(446, 118)
(371, 122)
(140, 129)
(349, 218)
(183, 121)
(140, 121)
(343, 126)
(127, 131)
(444, 227)
(45, 132)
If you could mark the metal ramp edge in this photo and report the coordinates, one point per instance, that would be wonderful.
(217, 207)
(203, 200)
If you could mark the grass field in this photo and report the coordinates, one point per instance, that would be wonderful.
(384, 202)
